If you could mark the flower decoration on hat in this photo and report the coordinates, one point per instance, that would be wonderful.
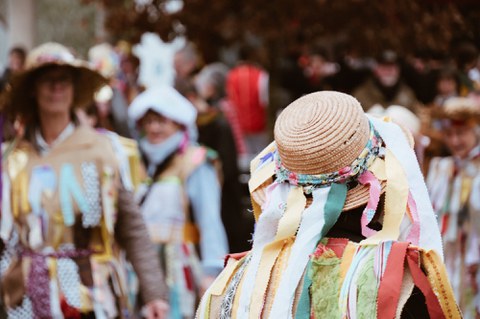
(344, 175)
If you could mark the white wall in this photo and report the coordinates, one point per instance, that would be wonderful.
(3, 47)
(21, 21)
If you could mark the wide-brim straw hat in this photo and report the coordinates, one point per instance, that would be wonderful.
(322, 133)
(458, 109)
(326, 135)
(20, 99)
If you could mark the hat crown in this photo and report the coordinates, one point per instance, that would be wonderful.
(321, 133)
(49, 53)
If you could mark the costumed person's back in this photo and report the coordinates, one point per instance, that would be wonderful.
(344, 226)
(180, 200)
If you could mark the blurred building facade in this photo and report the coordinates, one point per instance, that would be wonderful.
(28, 23)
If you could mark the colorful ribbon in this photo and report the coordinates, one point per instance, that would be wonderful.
(333, 209)
(367, 178)
(38, 285)
(286, 230)
(69, 186)
(395, 202)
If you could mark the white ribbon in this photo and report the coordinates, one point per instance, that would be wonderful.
(397, 143)
(308, 235)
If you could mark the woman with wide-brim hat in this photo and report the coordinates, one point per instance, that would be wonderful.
(68, 202)
(344, 228)
(454, 184)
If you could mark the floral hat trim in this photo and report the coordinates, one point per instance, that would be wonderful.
(344, 175)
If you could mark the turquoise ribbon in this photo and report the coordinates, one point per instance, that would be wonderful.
(42, 179)
(333, 208)
(69, 187)
(175, 302)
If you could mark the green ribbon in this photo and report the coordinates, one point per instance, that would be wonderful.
(333, 208)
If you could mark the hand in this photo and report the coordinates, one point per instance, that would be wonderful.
(156, 309)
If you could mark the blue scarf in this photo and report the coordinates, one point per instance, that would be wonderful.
(157, 153)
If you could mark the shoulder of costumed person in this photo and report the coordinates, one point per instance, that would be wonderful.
(167, 102)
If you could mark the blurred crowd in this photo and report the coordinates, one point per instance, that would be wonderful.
(216, 117)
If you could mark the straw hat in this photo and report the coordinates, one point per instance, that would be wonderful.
(104, 59)
(86, 80)
(322, 134)
(458, 109)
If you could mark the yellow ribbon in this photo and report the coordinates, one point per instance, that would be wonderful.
(378, 169)
(16, 162)
(465, 191)
(347, 258)
(20, 194)
(437, 276)
(395, 201)
(219, 285)
(287, 228)
(106, 255)
(260, 176)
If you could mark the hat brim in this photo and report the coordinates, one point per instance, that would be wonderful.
(461, 114)
(356, 197)
(359, 195)
(20, 98)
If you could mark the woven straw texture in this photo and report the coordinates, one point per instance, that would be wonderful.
(458, 109)
(321, 133)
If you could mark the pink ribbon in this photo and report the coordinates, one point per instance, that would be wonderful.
(414, 234)
(367, 178)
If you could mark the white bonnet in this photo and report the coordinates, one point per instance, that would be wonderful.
(169, 103)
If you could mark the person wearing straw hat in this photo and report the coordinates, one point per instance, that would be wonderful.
(345, 228)
(181, 198)
(68, 209)
(454, 184)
